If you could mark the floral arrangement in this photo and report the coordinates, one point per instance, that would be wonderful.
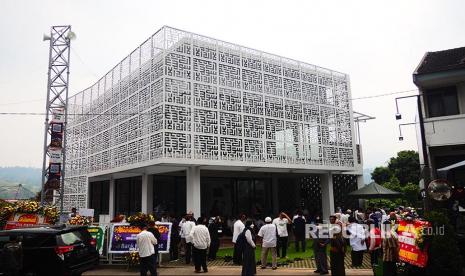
(409, 214)
(118, 218)
(79, 220)
(419, 238)
(6, 211)
(139, 218)
(132, 259)
(50, 212)
(28, 207)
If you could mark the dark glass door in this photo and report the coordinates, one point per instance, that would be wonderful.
(128, 195)
(99, 197)
(244, 195)
(169, 195)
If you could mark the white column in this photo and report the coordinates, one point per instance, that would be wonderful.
(327, 195)
(147, 193)
(360, 184)
(193, 190)
(87, 194)
(111, 201)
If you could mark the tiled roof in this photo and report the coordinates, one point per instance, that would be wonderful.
(445, 60)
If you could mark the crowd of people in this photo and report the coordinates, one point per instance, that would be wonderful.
(198, 240)
(371, 231)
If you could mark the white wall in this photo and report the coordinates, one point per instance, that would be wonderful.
(449, 130)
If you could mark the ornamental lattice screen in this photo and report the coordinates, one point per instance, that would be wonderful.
(186, 98)
(310, 194)
(343, 184)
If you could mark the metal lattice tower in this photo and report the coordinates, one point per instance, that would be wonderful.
(56, 107)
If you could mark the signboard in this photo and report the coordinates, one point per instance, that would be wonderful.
(165, 236)
(123, 237)
(24, 221)
(86, 212)
(58, 115)
(54, 175)
(409, 252)
(97, 233)
(56, 138)
(55, 155)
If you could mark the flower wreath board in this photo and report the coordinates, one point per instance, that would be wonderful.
(413, 249)
(123, 237)
(21, 220)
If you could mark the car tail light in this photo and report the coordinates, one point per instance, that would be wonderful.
(93, 242)
(60, 250)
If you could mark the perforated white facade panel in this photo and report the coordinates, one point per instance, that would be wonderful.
(189, 99)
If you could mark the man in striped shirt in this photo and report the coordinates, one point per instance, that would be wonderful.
(390, 249)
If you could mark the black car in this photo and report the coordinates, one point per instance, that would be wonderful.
(60, 250)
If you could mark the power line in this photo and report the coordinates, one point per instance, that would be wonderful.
(146, 113)
(77, 114)
(383, 95)
(83, 63)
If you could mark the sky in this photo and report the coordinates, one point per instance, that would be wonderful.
(377, 43)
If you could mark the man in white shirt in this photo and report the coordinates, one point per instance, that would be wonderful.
(185, 230)
(238, 228)
(182, 236)
(200, 238)
(146, 242)
(357, 241)
(281, 223)
(269, 239)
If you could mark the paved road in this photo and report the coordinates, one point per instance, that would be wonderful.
(217, 270)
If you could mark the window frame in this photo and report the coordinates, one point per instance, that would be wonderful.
(440, 108)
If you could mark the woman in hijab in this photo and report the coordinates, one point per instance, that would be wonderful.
(249, 266)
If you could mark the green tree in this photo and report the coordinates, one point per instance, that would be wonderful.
(444, 255)
(406, 167)
(381, 175)
(409, 191)
(393, 184)
(401, 175)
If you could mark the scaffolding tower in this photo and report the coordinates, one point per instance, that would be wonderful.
(53, 165)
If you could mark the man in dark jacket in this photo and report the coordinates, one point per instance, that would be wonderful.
(175, 238)
(214, 228)
(319, 248)
(154, 230)
(298, 224)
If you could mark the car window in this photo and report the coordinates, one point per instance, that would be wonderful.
(70, 238)
(4, 240)
(37, 240)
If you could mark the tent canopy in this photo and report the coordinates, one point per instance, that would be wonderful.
(374, 190)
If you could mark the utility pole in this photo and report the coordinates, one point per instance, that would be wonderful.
(53, 166)
(425, 171)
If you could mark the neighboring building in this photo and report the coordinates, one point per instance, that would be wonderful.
(187, 122)
(440, 77)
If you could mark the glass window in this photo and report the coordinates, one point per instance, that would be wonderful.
(70, 238)
(169, 195)
(38, 239)
(442, 101)
(99, 197)
(128, 194)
